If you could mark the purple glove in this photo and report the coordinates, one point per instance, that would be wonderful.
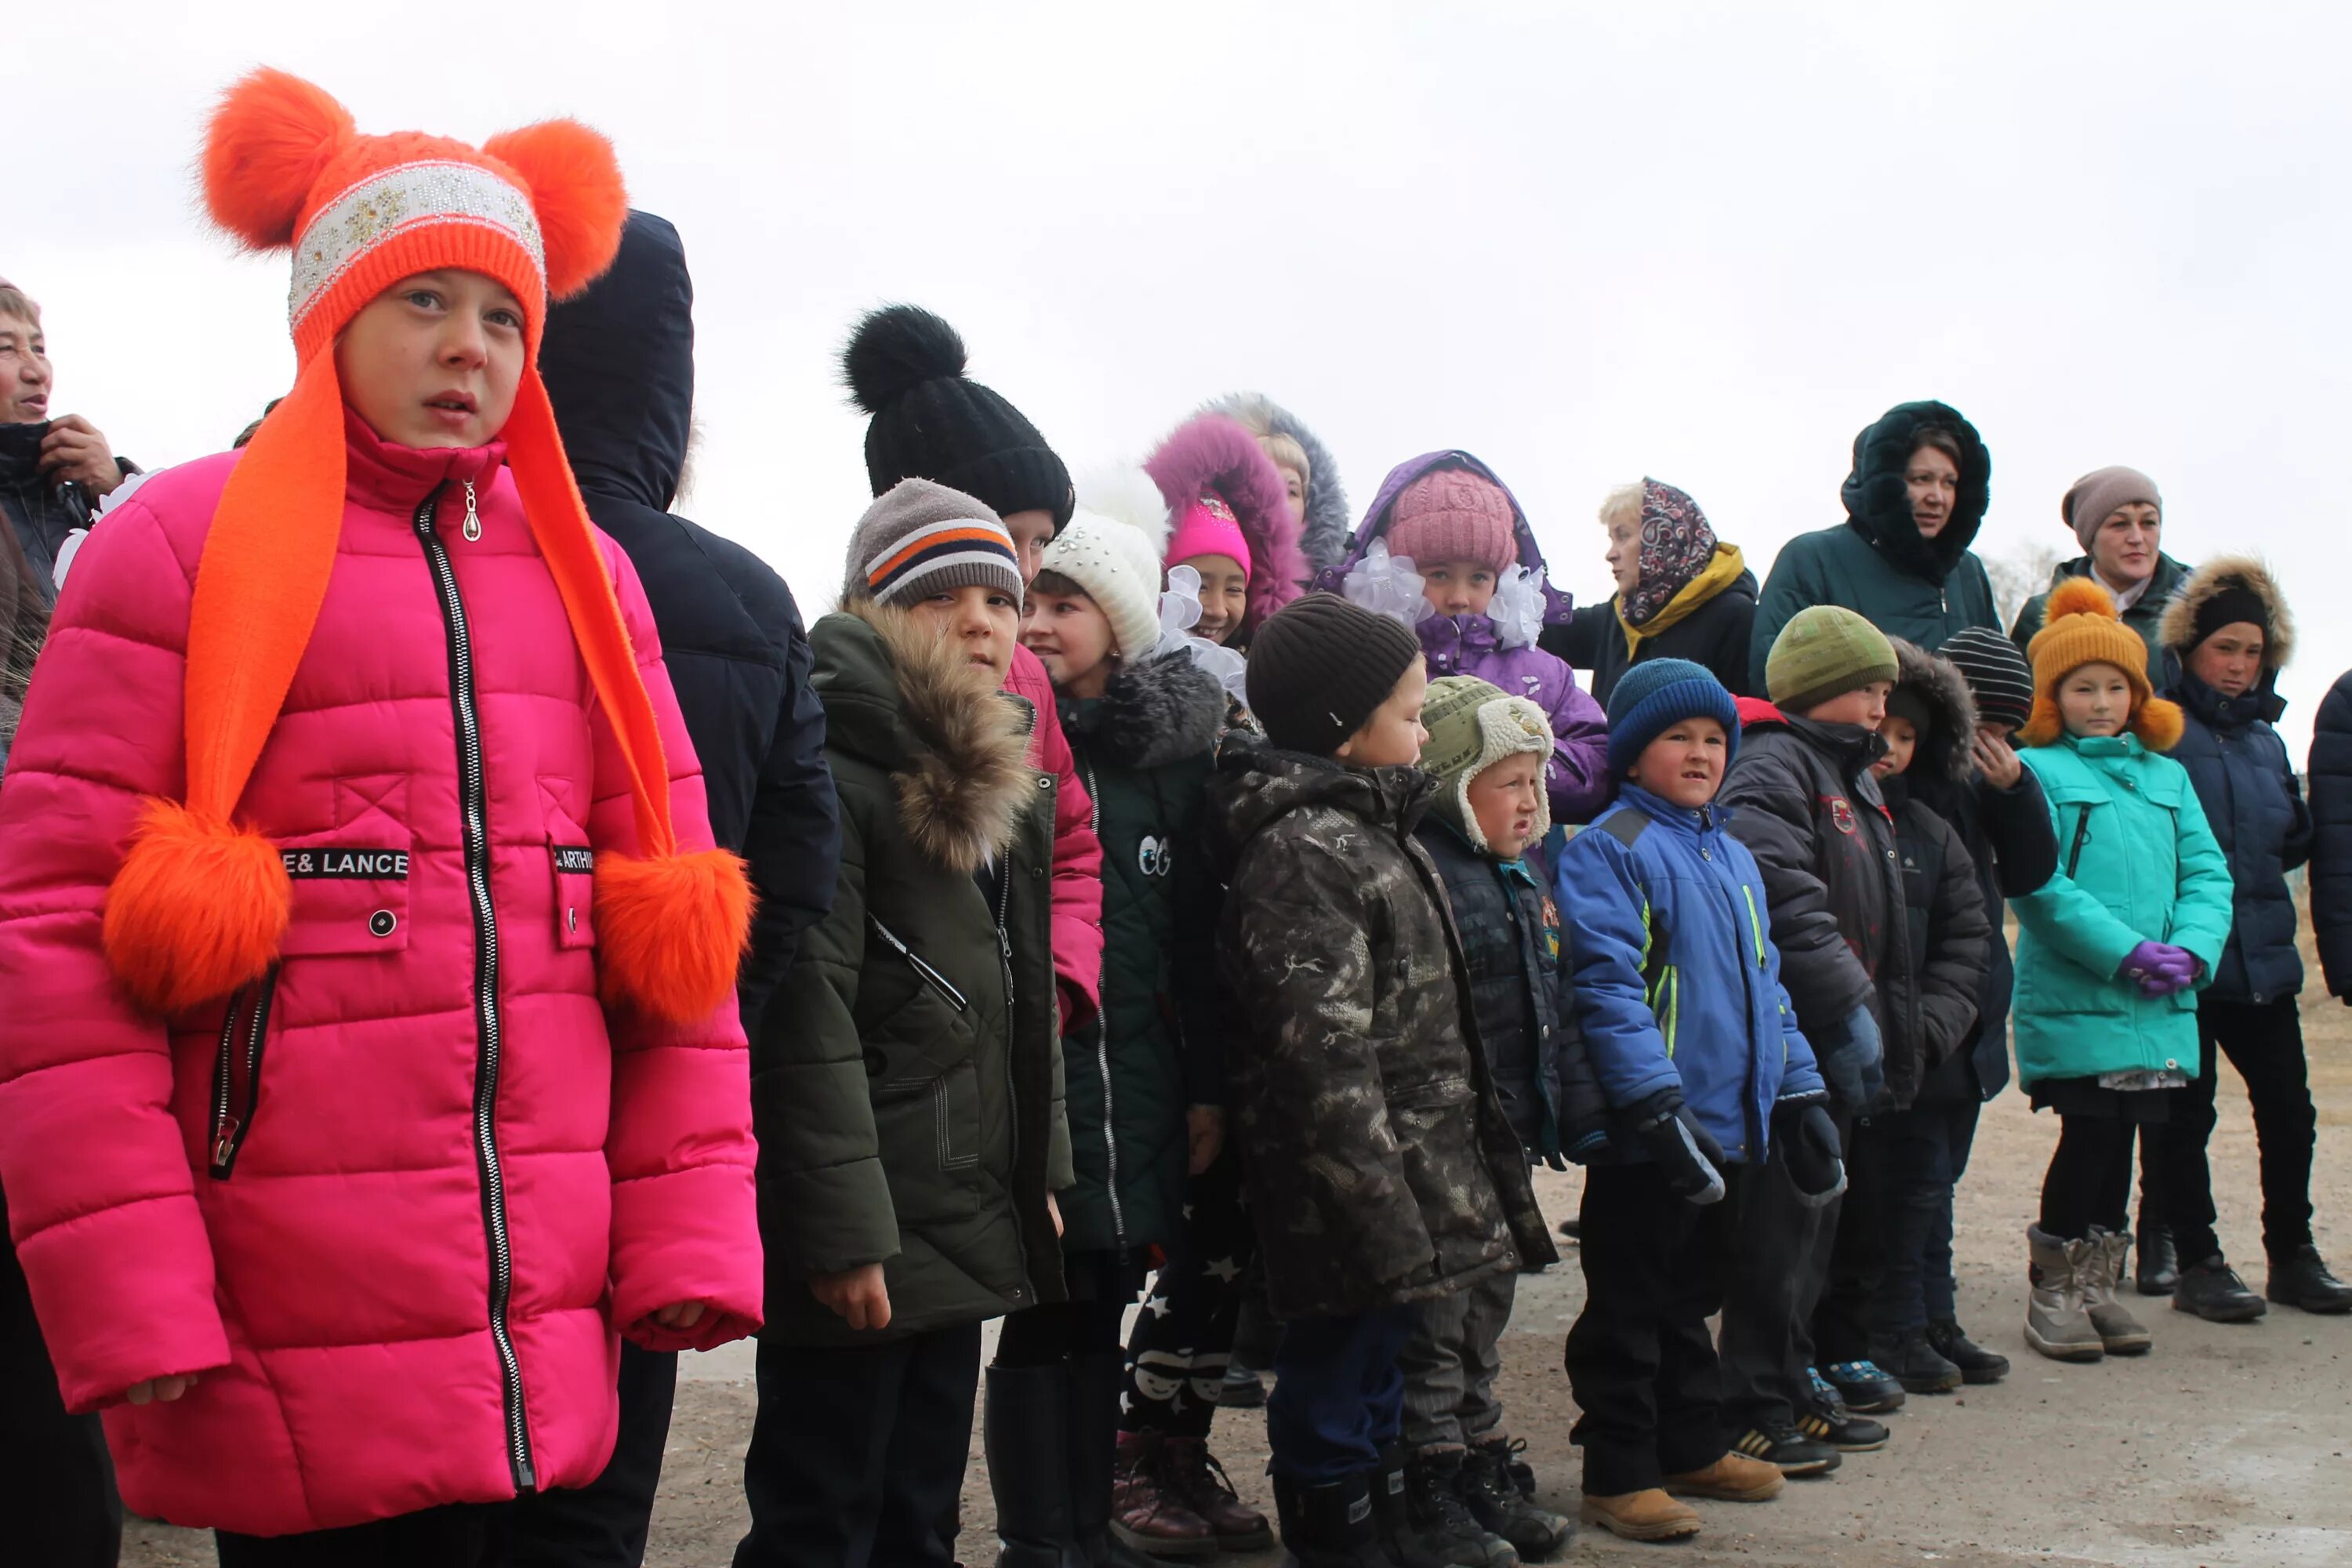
(2159, 968)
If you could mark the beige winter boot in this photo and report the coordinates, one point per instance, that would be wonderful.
(2055, 1322)
(2119, 1332)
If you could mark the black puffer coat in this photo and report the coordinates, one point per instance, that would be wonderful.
(1518, 994)
(2331, 843)
(619, 367)
(2243, 780)
(1715, 634)
(39, 511)
(1379, 1164)
(1144, 751)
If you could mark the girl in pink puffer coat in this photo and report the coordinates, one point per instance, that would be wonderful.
(370, 1059)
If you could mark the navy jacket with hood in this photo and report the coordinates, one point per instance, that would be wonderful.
(618, 362)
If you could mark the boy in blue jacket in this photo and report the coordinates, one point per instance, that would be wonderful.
(1676, 987)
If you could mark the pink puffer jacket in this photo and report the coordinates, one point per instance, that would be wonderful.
(393, 1203)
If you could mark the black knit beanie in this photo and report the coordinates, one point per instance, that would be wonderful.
(905, 367)
(1320, 666)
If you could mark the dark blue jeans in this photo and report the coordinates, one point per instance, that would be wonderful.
(1339, 1394)
(1926, 1152)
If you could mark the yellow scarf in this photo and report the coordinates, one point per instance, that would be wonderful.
(1717, 575)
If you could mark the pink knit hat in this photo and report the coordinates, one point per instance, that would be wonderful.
(1453, 514)
(1208, 527)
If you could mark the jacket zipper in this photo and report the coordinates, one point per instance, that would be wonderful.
(1102, 1055)
(472, 793)
(233, 1119)
(929, 976)
(2082, 836)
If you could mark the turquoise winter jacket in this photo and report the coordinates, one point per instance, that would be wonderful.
(2136, 862)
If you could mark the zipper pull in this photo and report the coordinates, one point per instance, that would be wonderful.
(473, 518)
(224, 1143)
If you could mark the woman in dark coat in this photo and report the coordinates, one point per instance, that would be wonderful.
(1681, 593)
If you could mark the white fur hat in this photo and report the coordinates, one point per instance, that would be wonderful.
(1111, 549)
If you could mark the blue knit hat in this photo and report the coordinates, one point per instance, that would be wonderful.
(1659, 692)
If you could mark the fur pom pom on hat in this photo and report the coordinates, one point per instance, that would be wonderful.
(2082, 627)
(1212, 455)
(1111, 549)
(1472, 726)
(904, 366)
(200, 905)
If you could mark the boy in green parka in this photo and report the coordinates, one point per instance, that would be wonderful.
(2110, 953)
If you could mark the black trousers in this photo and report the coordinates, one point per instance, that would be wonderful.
(2264, 1043)
(858, 1454)
(462, 1535)
(56, 1481)
(1927, 1150)
(1102, 1288)
(1176, 1353)
(1849, 1257)
(2089, 1179)
(603, 1524)
(1639, 1359)
(1780, 1255)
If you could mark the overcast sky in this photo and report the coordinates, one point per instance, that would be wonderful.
(1587, 242)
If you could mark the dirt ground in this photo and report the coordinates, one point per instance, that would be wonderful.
(2228, 1445)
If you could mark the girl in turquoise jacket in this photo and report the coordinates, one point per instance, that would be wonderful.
(2111, 953)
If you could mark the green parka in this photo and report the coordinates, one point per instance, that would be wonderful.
(907, 1078)
(1144, 749)
(2136, 863)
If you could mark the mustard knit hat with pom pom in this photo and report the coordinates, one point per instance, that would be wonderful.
(2082, 627)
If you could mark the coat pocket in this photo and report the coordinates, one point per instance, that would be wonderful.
(571, 865)
(351, 890)
(925, 1084)
(236, 1071)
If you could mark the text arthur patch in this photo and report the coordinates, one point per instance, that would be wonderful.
(364, 865)
(574, 860)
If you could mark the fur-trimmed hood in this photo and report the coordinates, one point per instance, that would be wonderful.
(955, 744)
(2178, 626)
(1324, 538)
(1211, 451)
(1878, 502)
(1952, 712)
(1152, 713)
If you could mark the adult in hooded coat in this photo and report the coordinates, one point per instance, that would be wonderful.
(1913, 501)
(1681, 593)
(618, 362)
(2117, 516)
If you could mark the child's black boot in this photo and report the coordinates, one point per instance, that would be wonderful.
(1423, 1524)
(1977, 1363)
(1492, 1494)
(1332, 1525)
(1910, 1360)
(1096, 1380)
(1024, 1432)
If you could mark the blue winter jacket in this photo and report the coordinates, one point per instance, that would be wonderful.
(1674, 978)
(2256, 808)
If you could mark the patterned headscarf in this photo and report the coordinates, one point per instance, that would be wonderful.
(1676, 545)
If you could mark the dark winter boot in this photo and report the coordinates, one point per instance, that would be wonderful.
(1492, 1495)
(2301, 1280)
(1024, 1432)
(2213, 1290)
(1977, 1363)
(1329, 1526)
(1423, 1524)
(1147, 1513)
(1915, 1363)
(2157, 1270)
(1194, 1478)
(1097, 1378)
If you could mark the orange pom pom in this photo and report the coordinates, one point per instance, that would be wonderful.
(670, 931)
(575, 186)
(2079, 596)
(269, 140)
(198, 910)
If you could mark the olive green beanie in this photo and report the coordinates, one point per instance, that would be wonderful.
(1821, 655)
(1472, 726)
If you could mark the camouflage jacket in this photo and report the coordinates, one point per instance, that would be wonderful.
(1378, 1161)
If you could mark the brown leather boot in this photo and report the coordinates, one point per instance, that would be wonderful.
(1191, 1474)
(1648, 1515)
(1145, 1511)
(1734, 1478)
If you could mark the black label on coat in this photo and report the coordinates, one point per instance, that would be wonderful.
(346, 864)
(574, 860)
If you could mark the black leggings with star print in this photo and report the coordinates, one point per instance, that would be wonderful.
(1176, 1355)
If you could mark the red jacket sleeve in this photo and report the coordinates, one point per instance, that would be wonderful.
(684, 1219)
(1077, 853)
(100, 1192)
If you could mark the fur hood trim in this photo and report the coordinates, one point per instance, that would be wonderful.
(1951, 711)
(1157, 711)
(1211, 451)
(1325, 538)
(2178, 629)
(964, 779)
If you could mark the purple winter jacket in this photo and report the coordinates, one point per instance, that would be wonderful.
(1578, 780)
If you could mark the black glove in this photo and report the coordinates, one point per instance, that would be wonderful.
(1691, 1161)
(1809, 1146)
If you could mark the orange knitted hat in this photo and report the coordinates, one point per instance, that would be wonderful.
(201, 904)
(2080, 628)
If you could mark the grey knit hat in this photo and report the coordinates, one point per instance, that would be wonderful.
(919, 538)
